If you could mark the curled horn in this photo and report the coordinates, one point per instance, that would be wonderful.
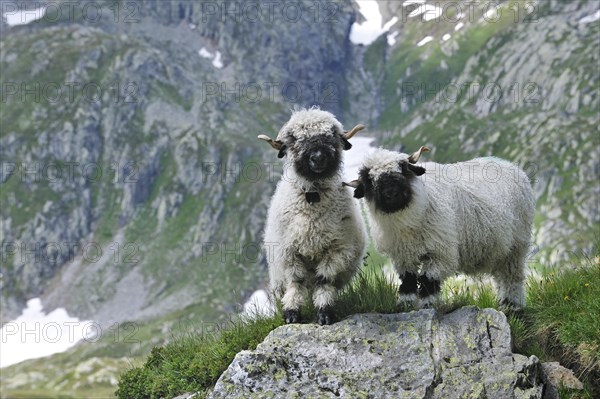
(414, 157)
(276, 144)
(348, 135)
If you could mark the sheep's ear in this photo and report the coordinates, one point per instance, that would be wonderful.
(359, 188)
(346, 144)
(359, 192)
(417, 170)
(282, 149)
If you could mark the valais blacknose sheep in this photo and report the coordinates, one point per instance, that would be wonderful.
(435, 220)
(314, 236)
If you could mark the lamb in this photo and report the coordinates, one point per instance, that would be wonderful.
(314, 236)
(435, 220)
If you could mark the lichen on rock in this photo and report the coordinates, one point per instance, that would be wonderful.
(419, 354)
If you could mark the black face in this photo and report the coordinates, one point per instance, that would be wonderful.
(317, 157)
(392, 191)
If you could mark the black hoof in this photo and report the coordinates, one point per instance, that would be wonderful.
(291, 316)
(324, 316)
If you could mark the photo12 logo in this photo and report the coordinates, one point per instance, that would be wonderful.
(269, 11)
(254, 92)
(69, 92)
(452, 93)
(469, 11)
(86, 12)
(69, 332)
(59, 252)
(68, 172)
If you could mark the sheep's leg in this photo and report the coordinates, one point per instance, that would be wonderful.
(510, 279)
(407, 294)
(294, 297)
(295, 293)
(429, 289)
(511, 291)
(323, 298)
(331, 274)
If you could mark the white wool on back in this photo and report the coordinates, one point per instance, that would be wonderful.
(470, 217)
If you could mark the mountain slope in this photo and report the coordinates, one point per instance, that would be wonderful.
(169, 183)
(518, 85)
(157, 153)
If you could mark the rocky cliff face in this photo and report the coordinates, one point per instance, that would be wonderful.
(131, 144)
(409, 355)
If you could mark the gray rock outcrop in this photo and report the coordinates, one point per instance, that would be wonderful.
(554, 375)
(420, 354)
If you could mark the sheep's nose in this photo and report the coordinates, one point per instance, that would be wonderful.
(317, 157)
(317, 161)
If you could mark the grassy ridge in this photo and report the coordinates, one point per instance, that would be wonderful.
(560, 322)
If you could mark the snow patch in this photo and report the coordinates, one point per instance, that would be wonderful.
(389, 24)
(410, 2)
(258, 304)
(361, 146)
(391, 38)
(373, 27)
(35, 334)
(590, 18)
(429, 12)
(204, 53)
(217, 63)
(492, 13)
(23, 16)
(425, 41)
(216, 58)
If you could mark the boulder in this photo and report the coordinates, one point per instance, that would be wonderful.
(421, 354)
(554, 376)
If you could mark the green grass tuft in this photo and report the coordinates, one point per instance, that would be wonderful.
(564, 310)
(370, 292)
(194, 362)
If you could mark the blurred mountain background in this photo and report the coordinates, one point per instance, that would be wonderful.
(134, 191)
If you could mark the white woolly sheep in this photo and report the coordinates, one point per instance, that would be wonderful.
(314, 236)
(435, 220)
